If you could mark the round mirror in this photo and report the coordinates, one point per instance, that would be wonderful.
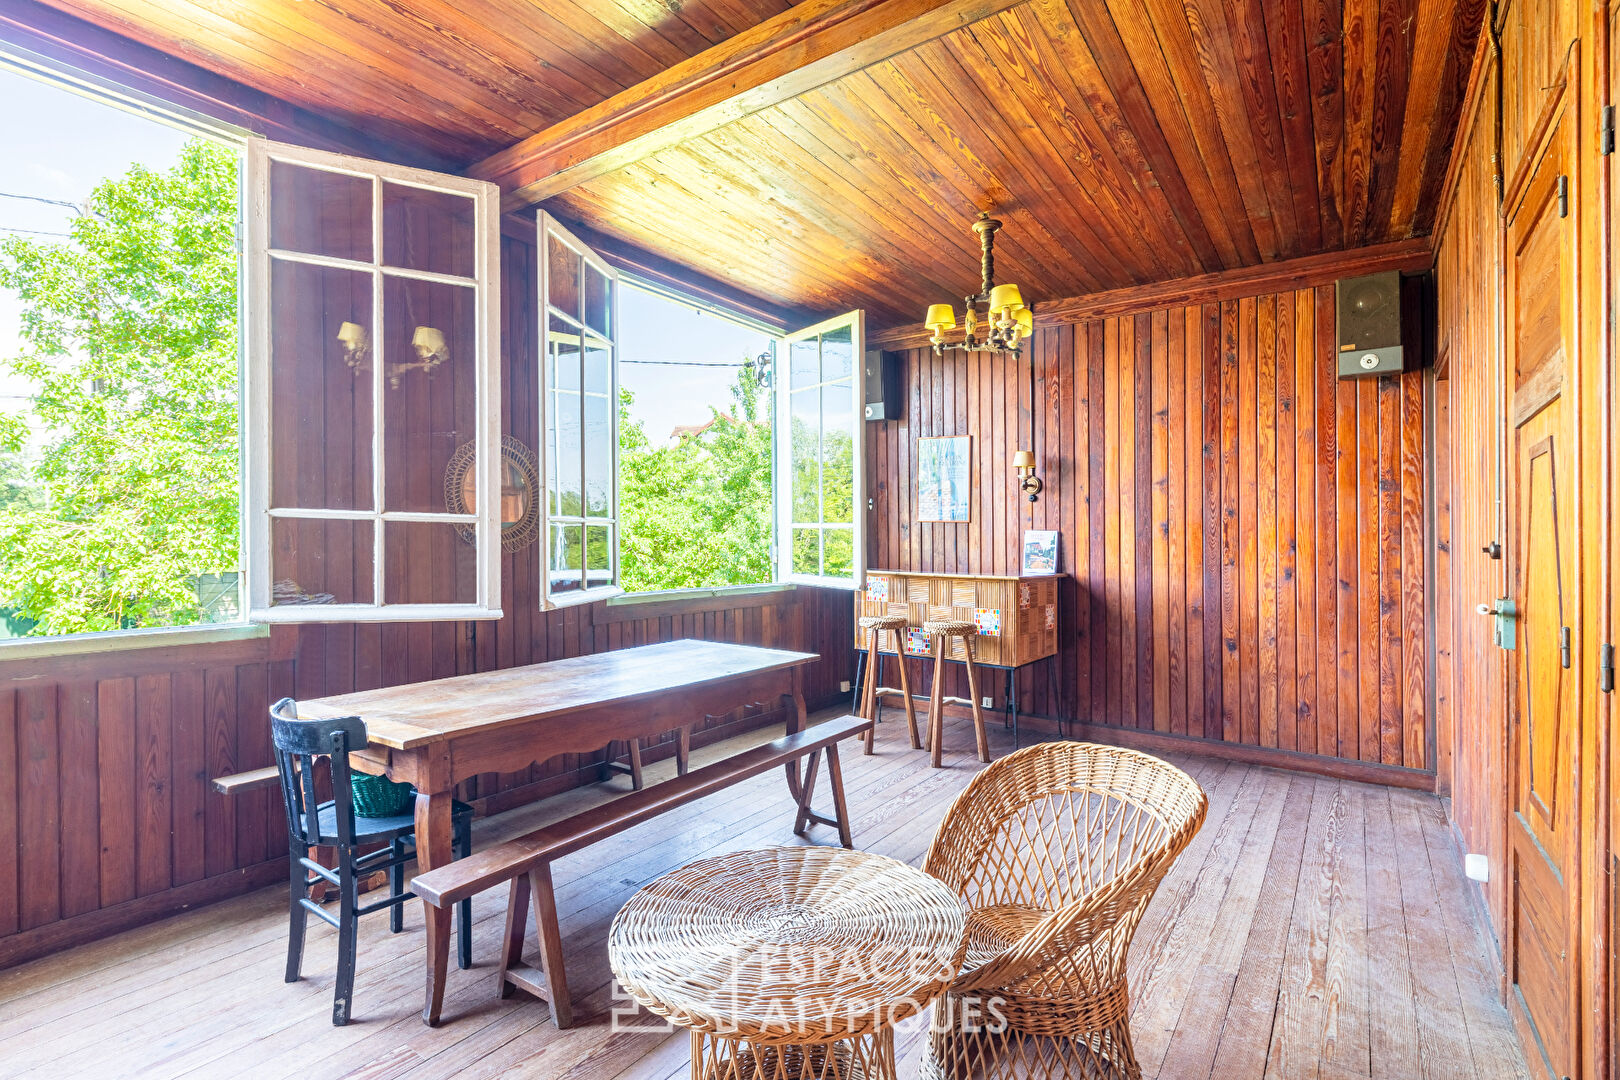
(520, 512)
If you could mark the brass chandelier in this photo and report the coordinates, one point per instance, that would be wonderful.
(1007, 319)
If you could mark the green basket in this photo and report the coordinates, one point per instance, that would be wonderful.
(378, 796)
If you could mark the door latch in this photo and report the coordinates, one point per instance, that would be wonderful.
(1505, 613)
(1563, 646)
(1493, 549)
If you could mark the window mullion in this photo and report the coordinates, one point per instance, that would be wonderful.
(584, 443)
(378, 364)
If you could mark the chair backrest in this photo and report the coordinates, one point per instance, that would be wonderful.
(1080, 831)
(1055, 822)
(298, 743)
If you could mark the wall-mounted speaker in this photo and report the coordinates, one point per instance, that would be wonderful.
(885, 381)
(1370, 325)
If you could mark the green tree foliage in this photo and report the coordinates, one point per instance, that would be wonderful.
(697, 513)
(129, 331)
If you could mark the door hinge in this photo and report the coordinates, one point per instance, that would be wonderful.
(1563, 646)
(1563, 196)
(1606, 131)
(1606, 668)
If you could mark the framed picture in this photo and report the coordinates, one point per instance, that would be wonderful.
(943, 480)
(1040, 551)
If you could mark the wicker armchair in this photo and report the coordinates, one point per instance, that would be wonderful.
(1057, 850)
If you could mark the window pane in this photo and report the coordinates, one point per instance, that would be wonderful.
(426, 562)
(598, 456)
(837, 354)
(565, 561)
(804, 422)
(807, 551)
(320, 562)
(320, 387)
(564, 266)
(564, 466)
(428, 230)
(837, 453)
(598, 555)
(804, 363)
(430, 394)
(565, 356)
(840, 552)
(598, 366)
(320, 212)
(598, 307)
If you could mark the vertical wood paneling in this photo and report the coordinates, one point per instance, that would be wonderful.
(1243, 530)
(189, 774)
(38, 798)
(115, 713)
(81, 826)
(153, 808)
(9, 793)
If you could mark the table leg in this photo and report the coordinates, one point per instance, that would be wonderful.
(796, 721)
(434, 845)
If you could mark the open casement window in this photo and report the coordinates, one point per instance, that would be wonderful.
(579, 393)
(819, 479)
(373, 390)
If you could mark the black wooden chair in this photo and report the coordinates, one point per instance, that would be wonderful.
(334, 824)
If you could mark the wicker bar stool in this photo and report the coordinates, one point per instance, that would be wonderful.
(1057, 848)
(791, 963)
(942, 631)
(874, 627)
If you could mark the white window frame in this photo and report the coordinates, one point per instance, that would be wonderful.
(548, 227)
(256, 390)
(782, 378)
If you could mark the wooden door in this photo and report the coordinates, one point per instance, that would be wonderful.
(1544, 586)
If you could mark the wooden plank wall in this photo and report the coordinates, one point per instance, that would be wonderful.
(107, 819)
(1244, 533)
(1472, 691)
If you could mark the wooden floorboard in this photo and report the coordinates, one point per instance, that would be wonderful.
(1314, 928)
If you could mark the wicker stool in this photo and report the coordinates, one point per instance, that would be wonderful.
(791, 963)
(871, 694)
(942, 631)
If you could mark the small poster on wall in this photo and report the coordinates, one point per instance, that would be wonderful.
(877, 590)
(943, 479)
(1040, 551)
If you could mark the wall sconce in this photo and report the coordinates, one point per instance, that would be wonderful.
(1024, 466)
(431, 351)
(356, 345)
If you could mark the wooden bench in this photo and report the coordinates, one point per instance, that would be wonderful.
(525, 862)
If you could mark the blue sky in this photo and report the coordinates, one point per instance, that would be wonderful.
(59, 145)
(694, 359)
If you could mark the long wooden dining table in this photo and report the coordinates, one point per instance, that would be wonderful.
(436, 734)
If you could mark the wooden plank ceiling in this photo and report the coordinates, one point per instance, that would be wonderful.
(1122, 141)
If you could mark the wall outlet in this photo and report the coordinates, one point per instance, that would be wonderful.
(844, 686)
(986, 701)
(1477, 867)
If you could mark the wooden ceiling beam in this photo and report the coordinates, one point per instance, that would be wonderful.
(805, 47)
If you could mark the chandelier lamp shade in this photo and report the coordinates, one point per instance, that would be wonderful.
(1005, 319)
